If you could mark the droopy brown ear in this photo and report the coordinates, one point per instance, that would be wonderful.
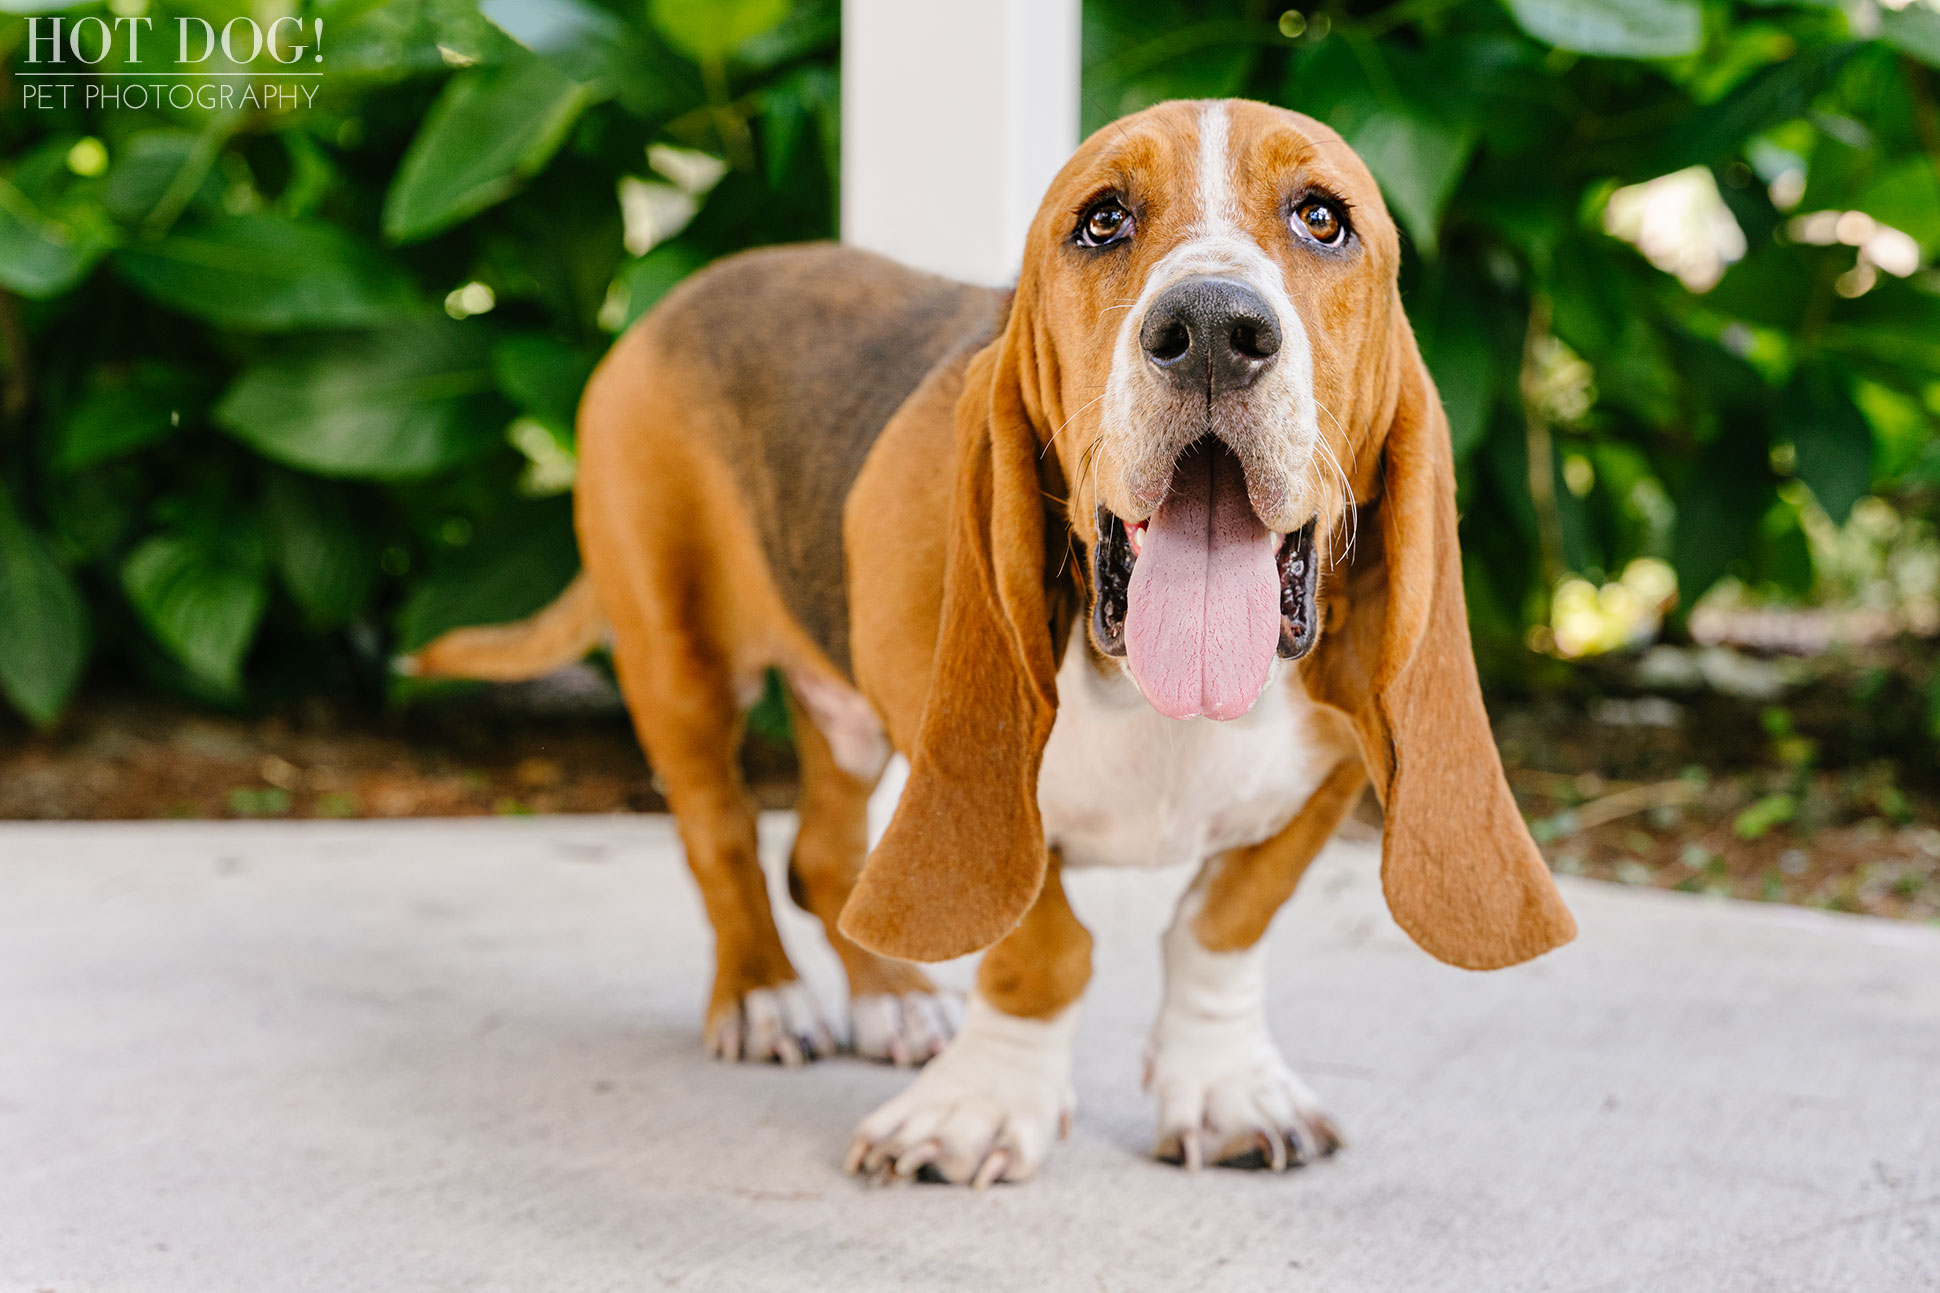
(1460, 872)
(964, 856)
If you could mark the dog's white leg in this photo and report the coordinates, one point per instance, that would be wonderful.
(1224, 1091)
(984, 1110)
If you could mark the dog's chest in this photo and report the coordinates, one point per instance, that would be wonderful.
(1122, 785)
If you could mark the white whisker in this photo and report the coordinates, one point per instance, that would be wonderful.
(1346, 486)
(1067, 422)
(1347, 499)
(1346, 439)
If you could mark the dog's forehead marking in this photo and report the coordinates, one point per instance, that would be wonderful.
(1215, 241)
(1217, 216)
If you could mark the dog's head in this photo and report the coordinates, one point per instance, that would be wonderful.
(1206, 383)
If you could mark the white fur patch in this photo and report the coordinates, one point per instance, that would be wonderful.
(1123, 785)
(1223, 1088)
(984, 1110)
(1217, 215)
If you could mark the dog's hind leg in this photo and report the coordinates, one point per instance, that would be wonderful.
(666, 580)
(895, 1012)
(758, 1008)
(688, 718)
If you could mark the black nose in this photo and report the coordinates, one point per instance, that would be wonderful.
(1211, 335)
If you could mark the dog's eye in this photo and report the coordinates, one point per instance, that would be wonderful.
(1320, 220)
(1104, 223)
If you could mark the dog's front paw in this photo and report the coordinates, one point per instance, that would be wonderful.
(1234, 1101)
(904, 1028)
(780, 1023)
(984, 1110)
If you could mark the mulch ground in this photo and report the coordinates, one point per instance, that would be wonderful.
(1728, 798)
(134, 757)
(1643, 791)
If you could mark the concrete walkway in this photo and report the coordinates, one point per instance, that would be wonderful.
(463, 1056)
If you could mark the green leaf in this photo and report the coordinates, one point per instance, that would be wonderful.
(1768, 97)
(40, 6)
(490, 129)
(393, 405)
(544, 377)
(43, 622)
(1614, 28)
(1417, 142)
(1901, 429)
(706, 30)
(1907, 196)
(324, 551)
(1216, 71)
(1912, 29)
(517, 562)
(149, 164)
(786, 108)
(1761, 817)
(588, 42)
(1418, 158)
(1454, 337)
(379, 41)
(1783, 557)
(41, 256)
(654, 275)
(265, 273)
(202, 599)
(1833, 439)
(1724, 498)
(123, 411)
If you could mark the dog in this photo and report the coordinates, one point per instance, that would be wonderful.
(1150, 560)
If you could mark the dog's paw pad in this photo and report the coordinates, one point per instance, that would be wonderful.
(781, 1024)
(904, 1029)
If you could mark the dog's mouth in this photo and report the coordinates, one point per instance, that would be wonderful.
(1202, 597)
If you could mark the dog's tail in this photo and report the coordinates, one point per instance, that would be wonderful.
(555, 637)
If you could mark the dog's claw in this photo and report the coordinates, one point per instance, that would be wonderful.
(912, 1161)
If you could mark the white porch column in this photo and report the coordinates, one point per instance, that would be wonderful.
(955, 117)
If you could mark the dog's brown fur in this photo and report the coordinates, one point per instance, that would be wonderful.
(868, 477)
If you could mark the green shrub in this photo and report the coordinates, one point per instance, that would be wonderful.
(290, 390)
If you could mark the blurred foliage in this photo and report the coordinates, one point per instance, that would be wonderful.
(287, 389)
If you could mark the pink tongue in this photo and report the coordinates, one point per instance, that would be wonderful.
(1204, 613)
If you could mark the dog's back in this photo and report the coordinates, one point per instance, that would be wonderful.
(798, 356)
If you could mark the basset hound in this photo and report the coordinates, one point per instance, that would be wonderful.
(1150, 561)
